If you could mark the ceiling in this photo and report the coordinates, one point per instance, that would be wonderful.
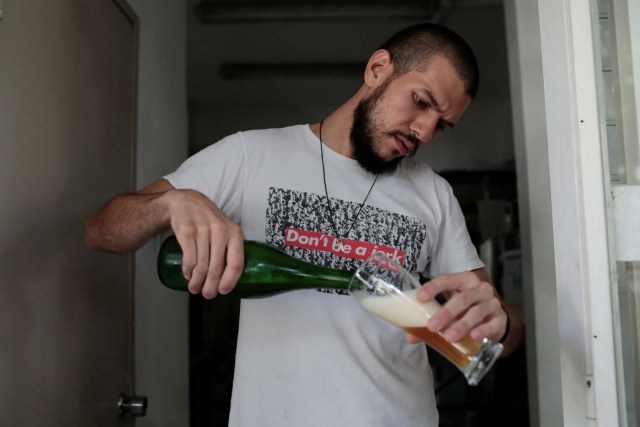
(246, 55)
(241, 40)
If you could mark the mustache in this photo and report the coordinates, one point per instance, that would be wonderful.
(409, 137)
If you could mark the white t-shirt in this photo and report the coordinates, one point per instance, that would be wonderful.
(317, 358)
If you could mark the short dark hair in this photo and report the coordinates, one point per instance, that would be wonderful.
(413, 47)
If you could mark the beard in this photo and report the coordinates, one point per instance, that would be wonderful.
(365, 130)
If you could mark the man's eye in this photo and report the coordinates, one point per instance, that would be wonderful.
(419, 101)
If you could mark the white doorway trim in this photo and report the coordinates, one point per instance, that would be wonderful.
(574, 371)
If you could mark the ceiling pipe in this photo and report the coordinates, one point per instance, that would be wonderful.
(349, 70)
(220, 11)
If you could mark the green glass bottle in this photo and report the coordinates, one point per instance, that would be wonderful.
(267, 271)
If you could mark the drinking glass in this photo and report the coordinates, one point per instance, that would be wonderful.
(389, 291)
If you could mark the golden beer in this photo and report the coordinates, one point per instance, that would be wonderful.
(460, 353)
(389, 291)
(405, 312)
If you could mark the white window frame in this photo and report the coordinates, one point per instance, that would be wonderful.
(560, 167)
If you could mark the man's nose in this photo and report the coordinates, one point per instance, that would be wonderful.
(425, 126)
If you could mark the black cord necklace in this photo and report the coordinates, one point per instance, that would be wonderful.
(324, 179)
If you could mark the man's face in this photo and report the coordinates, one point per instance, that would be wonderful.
(405, 112)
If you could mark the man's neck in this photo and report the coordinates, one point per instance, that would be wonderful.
(336, 128)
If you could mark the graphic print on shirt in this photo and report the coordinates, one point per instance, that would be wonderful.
(298, 223)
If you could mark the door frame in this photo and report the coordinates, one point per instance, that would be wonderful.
(130, 14)
(161, 347)
(575, 334)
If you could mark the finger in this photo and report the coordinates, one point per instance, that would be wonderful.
(454, 308)
(444, 283)
(461, 301)
(188, 245)
(218, 247)
(476, 315)
(202, 263)
(493, 328)
(235, 265)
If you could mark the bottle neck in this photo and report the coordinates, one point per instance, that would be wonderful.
(269, 271)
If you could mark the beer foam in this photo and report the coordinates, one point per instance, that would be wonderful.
(401, 311)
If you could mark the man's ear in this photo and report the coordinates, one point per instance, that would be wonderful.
(378, 69)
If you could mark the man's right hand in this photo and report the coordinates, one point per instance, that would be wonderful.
(212, 244)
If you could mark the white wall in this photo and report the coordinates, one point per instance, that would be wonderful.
(161, 315)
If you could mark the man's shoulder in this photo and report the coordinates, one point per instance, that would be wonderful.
(272, 134)
(420, 171)
(417, 168)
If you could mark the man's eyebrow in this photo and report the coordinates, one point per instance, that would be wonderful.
(432, 98)
(434, 102)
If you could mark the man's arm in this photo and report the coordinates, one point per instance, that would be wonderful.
(129, 220)
(473, 308)
(515, 334)
(212, 245)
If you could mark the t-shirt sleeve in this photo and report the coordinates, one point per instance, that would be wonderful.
(218, 172)
(454, 251)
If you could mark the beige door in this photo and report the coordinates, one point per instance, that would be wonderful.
(67, 85)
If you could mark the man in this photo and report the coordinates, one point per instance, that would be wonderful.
(349, 185)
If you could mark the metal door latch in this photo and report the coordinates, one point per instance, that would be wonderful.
(132, 405)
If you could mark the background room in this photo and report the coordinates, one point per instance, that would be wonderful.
(103, 97)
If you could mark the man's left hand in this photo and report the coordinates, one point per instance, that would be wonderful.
(473, 306)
